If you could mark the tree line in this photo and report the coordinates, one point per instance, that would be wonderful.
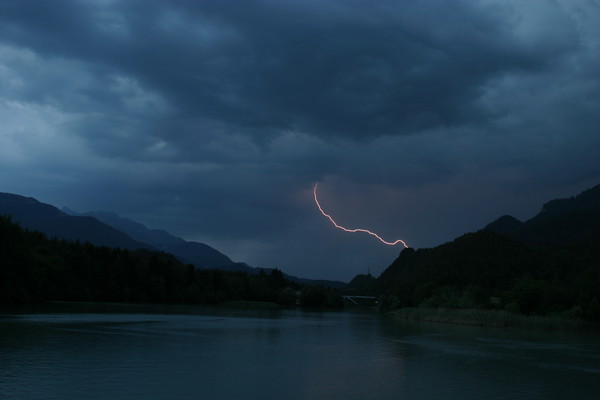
(34, 269)
(493, 271)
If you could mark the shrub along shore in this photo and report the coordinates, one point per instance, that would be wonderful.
(494, 318)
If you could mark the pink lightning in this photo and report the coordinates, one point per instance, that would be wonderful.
(353, 230)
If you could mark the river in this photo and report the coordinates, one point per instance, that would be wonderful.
(87, 351)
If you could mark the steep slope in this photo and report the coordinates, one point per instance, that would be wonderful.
(34, 215)
(548, 264)
(35, 269)
(108, 229)
(483, 259)
(490, 270)
(588, 200)
(158, 238)
(199, 254)
(506, 224)
(575, 220)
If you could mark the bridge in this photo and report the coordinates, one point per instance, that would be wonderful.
(361, 301)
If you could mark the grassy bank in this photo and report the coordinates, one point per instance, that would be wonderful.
(493, 318)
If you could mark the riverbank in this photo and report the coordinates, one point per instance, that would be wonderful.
(494, 318)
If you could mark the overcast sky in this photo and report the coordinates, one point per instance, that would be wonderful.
(422, 120)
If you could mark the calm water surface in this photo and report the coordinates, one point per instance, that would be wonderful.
(136, 352)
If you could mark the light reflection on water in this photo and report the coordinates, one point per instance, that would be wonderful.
(135, 352)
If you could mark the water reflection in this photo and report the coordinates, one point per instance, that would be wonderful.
(130, 352)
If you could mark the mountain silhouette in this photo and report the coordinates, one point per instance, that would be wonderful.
(199, 254)
(108, 229)
(547, 265)
(575, 220)
(103, 228)
(34, 215)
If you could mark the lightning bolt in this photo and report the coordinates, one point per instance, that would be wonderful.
(353, 230)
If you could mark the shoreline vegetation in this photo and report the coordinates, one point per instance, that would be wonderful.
(493, 318)
(35, 269)
(483, 278)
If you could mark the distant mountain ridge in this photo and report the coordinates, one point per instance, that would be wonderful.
(588, 200)
(199, 254)
(34, 215)
(560, 222)
(109, 229)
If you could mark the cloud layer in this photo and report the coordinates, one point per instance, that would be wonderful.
(213, 119)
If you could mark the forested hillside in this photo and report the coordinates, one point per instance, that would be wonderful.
(35, 269)
(575, 220)
(199, 254)
(42, 217)
(489, 270)
(548, 265)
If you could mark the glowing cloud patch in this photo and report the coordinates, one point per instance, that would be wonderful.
(353, 230)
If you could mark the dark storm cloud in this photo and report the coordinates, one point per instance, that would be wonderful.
(214, 118)
(318, 67)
